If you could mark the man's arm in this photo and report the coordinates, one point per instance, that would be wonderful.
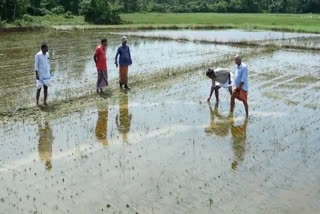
(95, 56)
(49, 63)
(240, 86)
(36, 66)
(116, 58)
(244, 77)
(130, 60)
(211, 90)
(229, 77)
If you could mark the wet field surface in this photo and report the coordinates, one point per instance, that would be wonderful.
(225, 35)
(160, 147)
(73, 67)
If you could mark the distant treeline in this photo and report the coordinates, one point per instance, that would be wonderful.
(107, 11)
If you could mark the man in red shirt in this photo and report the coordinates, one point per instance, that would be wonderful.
(100, 58)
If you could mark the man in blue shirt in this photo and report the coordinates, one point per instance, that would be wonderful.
(241, 83)
(124, 61)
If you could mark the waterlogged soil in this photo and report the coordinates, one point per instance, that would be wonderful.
(161, 148)
(288, 75)
(73, 67)
(225, 35)
(312, 43)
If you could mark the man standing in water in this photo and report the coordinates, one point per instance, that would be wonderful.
(100, 58)
(42, 69)
(124, 61)
(241, 82)
(221, 77)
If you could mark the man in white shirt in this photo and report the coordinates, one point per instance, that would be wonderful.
(42, 69)
(241, 83)
(221, 77)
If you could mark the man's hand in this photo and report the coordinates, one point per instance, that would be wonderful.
(208, 100)
(37, 76)
(229, 82)
(116, 64)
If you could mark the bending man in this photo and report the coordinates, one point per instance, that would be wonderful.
(221, 77)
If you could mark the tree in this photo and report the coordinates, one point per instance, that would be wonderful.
(309, 6)
(102, 12)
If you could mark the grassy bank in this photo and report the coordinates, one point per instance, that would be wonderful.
(285, 22)
(282, 22)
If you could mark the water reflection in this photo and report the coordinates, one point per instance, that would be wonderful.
(239, 141)
(102, 126)
(219, 124)
(123, 119)
(45, 144)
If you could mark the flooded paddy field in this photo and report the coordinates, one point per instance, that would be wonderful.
(312, 43)
(160, 147)
(224, 35)
(73, 67)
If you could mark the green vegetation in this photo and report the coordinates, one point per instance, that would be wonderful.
(286, 22)
(18, 12)
(107, 11)
(101, 12)
(282, 22)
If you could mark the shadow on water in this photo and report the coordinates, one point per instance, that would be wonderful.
(102, 126)
(123, 119)
(221, 125)
(106, 94)
(48, 108)
(45, 144)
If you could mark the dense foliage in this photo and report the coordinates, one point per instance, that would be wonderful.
(107, 11)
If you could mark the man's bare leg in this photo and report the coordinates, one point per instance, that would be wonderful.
(246, 107)
(216, 92)
(45, 93)
(232, 102)
(38, 96)
(230, 90)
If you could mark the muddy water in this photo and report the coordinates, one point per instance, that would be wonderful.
(73, 67)
(229, 35)
(161, 148)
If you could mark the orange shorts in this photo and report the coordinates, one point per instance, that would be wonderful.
(242, 95)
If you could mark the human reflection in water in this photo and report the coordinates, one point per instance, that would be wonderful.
(239, 141)
(45, 144)
(219, 124)
(123, 119)
(102, 127)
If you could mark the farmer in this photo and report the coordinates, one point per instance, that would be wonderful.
(43, 74)
(241, 83)
(221, 77)
(100, 58)
(124, 61)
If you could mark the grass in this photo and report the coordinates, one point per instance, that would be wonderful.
(50, 20)
(284, 22)
(281, 22)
